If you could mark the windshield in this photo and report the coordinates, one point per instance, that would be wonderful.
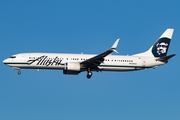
(13, 57)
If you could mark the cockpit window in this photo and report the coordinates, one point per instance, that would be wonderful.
(13, 57)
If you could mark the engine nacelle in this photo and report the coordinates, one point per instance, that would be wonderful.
(72, 68)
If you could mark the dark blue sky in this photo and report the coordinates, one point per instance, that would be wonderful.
(90, 27)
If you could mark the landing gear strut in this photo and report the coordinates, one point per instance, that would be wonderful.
(89, 74)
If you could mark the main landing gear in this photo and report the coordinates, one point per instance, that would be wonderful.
(89, 73)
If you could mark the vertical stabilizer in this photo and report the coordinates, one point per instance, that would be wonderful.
(160, 47)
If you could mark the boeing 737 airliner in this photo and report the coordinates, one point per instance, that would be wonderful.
(73, 64)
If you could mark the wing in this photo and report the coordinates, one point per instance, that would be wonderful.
(97, 60)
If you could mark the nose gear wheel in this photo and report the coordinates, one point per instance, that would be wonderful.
(19, 72)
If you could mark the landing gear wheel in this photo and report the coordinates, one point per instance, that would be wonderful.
(19, 72)
(89, 74)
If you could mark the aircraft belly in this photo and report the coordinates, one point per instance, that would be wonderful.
(120, 68)
(26, 66)
(42, 67)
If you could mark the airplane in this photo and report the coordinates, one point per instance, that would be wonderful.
(73, 64)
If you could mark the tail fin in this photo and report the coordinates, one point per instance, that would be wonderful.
(160, 47)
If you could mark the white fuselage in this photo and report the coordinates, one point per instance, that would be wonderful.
(57, 61)
(73, 64)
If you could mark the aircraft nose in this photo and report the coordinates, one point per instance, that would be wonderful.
(5, 61)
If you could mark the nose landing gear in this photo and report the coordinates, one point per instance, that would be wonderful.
(89, 74)
(16, 68)
(19, 72)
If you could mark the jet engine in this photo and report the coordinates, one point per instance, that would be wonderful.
(72, 68)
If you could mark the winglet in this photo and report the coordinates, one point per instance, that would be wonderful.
(115, 44)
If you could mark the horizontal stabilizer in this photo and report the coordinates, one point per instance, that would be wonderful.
(166, 58)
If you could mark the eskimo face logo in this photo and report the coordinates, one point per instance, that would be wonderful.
(161, 48)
